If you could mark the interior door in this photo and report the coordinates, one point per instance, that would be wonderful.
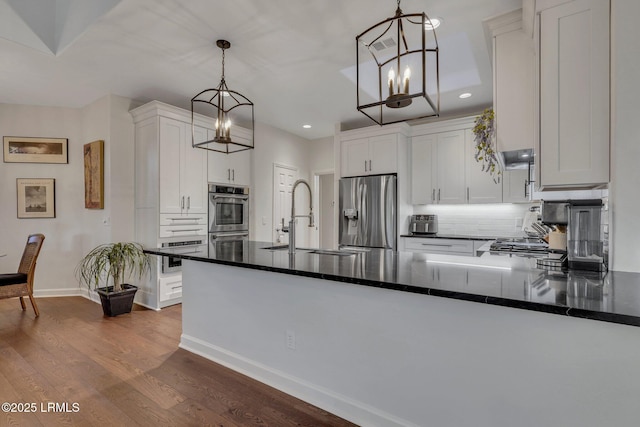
(283, 179)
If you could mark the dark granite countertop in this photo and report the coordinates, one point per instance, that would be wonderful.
(489, 279)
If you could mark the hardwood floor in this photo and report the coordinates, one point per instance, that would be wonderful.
(126, 371)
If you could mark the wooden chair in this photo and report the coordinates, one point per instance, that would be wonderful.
(20, 284)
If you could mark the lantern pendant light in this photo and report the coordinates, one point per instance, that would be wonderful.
(397, 69)
(226, 116)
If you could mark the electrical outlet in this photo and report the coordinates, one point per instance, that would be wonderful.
(106, 221)
(519, 222)
(291, 340)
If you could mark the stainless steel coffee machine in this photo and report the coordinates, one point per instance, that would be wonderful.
(586, 237)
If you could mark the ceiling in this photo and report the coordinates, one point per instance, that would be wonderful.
(290, 57)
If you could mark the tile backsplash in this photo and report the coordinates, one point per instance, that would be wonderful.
(490, 220)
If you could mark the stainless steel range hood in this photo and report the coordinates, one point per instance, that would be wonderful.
(516, 159)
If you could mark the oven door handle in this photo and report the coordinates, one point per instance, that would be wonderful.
(214, 236)
(229, 196)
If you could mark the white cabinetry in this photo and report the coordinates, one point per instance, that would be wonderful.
(182, 178)
(481, 187)
(443, 168)
(370, 156)
(170, 191)
(436, 245)
(513, 82)
(515, 186)
(234, 168)
(574, 94)
(449, 164)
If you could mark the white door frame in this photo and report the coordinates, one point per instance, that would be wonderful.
(276, 221)
(315, 235)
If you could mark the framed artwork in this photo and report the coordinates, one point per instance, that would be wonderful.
(36, 197)
(94, 175)
(19, 149)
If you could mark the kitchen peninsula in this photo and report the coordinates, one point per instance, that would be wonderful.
(369, 336)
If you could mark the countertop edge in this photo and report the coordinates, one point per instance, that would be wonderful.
(557, 309)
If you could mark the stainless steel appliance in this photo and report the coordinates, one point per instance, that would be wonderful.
(228, 208)
(173, 264)
(367, 207)
(229, 246)
(520, 246)
(585, 236)
(423, 224)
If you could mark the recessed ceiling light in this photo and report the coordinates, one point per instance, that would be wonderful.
(464, 95)
(306, 126)
(435, 23)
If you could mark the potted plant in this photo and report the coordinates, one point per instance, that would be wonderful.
(113, 262)
(484, 132)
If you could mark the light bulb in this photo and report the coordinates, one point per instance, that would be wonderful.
(407, 75)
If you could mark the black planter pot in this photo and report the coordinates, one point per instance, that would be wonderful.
(115, 303)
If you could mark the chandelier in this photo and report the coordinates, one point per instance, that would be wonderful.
(232, 130)
(397, 71)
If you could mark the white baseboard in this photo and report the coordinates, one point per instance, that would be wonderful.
(62, 292)
(331, 401)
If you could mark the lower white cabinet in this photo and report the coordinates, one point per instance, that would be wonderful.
(170, 287)
(437, 245)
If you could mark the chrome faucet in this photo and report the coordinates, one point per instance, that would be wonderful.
(292, 222)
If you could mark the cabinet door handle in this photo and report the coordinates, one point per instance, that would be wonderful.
(525, 188)
(438, 194)
(365, 165)
(433, 194)
(369, 165)
(468, 198)
(233, 174)
(228, 174)
(182, 202)
(188, 202)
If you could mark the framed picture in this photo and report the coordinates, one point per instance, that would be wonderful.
(18, 149)
(36, 197)
(94, 175)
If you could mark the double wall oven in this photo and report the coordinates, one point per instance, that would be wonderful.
(228, 221)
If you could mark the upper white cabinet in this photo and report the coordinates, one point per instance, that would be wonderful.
(370, 155)
(448, 162)
(513, 82)
(516, 186)
(423, 186)
(443, 168)
(481, 187)
(234, 168)
(183, 179)
(574, 94)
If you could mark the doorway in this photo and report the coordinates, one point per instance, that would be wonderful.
(283, 179)
(324, 201)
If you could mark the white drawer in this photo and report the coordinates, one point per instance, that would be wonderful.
(440, 246)
(183, 230)
(190, 219)
(170, 287)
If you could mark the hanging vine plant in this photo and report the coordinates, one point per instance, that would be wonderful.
(484, 131)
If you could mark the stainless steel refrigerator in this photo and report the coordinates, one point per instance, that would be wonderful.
(368, 211)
